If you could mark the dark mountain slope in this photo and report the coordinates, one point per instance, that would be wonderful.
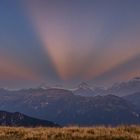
(89, 111)
(134, 98)
(18, 119)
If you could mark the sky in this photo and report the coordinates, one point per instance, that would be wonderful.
(64, 42)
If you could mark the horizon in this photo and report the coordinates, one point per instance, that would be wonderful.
(65, 42)
(73, 87)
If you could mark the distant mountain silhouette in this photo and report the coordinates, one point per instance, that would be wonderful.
(125, 88)
(84, 89)
(18, 119)
(64, 107)
(118, 89)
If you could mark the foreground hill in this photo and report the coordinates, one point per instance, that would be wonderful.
(71, 133)
(18, 119)
(65, 108)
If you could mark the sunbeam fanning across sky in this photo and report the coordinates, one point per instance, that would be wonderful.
(60, 37)
(68, 41)
(87, 39)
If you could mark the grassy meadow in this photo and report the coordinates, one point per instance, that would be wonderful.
(71, 133)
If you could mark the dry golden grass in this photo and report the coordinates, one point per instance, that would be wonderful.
(71, 133)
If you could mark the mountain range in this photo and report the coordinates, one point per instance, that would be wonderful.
(125, 88)
(84, 105)
(119, 89)
(67, 107)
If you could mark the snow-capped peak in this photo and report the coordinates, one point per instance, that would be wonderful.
(84, 85)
